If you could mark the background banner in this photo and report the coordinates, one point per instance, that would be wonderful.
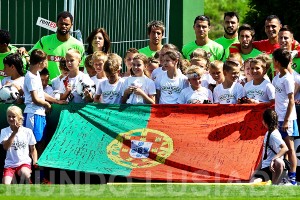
(189, 143)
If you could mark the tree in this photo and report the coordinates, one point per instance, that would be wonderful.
(215, 10)
(287, 11)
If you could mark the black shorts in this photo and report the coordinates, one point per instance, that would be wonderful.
(265, 174)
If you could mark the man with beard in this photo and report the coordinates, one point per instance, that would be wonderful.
(56, 45)
(231, 25)
(272, 27)
(201, 28)
(245, 47)
(155, 31)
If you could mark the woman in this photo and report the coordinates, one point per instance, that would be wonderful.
(98, 40)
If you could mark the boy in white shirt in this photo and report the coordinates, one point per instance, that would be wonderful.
(230, 90)
(285, 106)
(36, 106)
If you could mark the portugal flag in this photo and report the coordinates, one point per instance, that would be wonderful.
(184, 143)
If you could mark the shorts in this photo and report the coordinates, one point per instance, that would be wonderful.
(36, 123)
(12, 171)
(265, 174)
(292, 129)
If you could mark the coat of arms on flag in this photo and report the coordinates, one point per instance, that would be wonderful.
(140, 149)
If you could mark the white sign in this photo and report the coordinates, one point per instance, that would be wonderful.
(45, 23)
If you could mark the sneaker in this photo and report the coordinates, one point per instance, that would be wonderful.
(284, 181)
(290, 184)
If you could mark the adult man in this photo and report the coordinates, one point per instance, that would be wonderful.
(201, 28)
(6, 49)
(155, 31)
(231, 25)
(245, 45)
(56, 45)
(286, 40)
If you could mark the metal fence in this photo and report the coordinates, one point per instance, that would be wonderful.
(124, 20)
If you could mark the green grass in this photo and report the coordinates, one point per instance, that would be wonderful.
(146, 191)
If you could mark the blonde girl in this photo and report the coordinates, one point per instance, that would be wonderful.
(19, 142)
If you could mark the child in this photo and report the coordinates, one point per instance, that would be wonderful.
(153, 64)
(88, 63)
(195, 94)
(98, 60)
(272, 165)
(259, 90)
(247, 72)
(215, 69)
(162, 52)
(68, 84)
(13, 68)
(170, 83)
(44, 74)
(139, 89)
(285, 106)
(230, 90)
(19, 142)
(64, 72)
(129, 55)
(199, 52)
(36, 106)
(110, 90)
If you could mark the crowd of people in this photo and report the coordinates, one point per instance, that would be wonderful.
(233, 69)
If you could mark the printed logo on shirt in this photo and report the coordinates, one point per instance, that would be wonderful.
(278, 89)
(255, 92)
(18, 145)
(110, 94)
(194, 101)
(226, 97)
(171, 89)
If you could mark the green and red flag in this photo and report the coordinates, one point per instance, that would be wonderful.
(189, 143)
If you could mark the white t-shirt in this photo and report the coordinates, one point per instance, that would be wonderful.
(33, 83)
(48, 90)
(98, 81)
(190, 96)
(18, 153)
(143, 82)
(55, 83)
(110, 93)
(74, 97)
(170, 88)
(19, 81)
(207, 79)
(274, 142)
(156, 72)
(283, 86)
(262, 93)
(229, 95)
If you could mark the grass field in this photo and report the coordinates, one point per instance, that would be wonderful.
(146, 191)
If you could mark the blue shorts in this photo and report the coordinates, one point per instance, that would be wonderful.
(36, 123)
(292, 129)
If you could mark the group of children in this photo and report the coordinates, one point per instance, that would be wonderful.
(165, 79)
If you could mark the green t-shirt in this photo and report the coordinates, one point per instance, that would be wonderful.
(56, 49)
(226, 43)
(13, 49)
(252, 54)
(216, 50)
(147, 51)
